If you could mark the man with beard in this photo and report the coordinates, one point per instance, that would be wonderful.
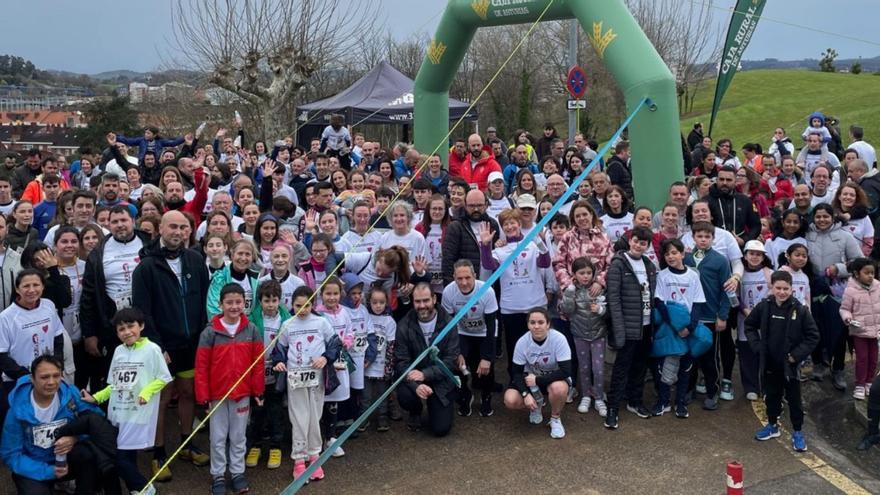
(175, 196)
(802, 202)
(520, 161)
(461, 240)
(732, 211)
(427, 382)
(814, 154)
(83, 214)
(170, 286)
(106, 288)
(110, 194)
(478, 165)
(458, 157)
(26, 172)
(151, 173)
(619, 169)
(678, 196)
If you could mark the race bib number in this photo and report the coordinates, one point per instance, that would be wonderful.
(474, 326)
(380, 343)
(303, 378)
(360, 344)
(122, 300)
(44, 434)
(125, 379)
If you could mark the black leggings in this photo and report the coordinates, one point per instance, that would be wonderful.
(515, 326)
(775, 386)
(470, 349)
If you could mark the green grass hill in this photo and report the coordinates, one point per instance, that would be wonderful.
(760, 100)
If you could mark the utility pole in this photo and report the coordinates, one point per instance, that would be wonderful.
(572, 60)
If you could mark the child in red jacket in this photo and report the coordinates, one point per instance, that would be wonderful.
(227, 347)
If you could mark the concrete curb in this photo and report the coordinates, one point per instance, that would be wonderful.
(860, 408)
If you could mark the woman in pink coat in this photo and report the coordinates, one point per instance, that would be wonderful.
(586, 238)
(860, 311)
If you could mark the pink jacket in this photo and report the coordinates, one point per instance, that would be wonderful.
(862, 305)
(574, 244)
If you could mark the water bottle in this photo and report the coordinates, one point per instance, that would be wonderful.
(537, 395)
(733, 298)
(60, 460)
(464, 370)
(201, 128)
(238, 118)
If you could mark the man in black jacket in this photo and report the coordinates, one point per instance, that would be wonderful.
(170, 285)
(619, 169)
(106, 288)
(732, 211)
(630, 281)
(460, 240)
(427, 381)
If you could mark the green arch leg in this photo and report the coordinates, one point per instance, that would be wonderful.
(623, 47)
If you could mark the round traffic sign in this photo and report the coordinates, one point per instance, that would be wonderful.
(576, 81)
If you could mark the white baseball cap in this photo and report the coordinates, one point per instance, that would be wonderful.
(495, 176)
(526, 201)
(755, 245)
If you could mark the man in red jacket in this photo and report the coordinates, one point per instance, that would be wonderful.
(459, 155)
(476, 168)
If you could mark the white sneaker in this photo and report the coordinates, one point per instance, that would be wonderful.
(535, 417)
(601, 408)
(752, 396)
(556, 428)
(584, 406)
(859, 393)
(572, 393)
(336, 453)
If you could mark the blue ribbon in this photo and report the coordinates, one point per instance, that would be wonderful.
(475, 297)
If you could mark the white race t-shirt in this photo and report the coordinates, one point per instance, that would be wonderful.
(615, 227)
(473, 323)
(779, 245)
(724, 243)
(340, 321)
(120, 260)
(544, 357)
(288, 286)
(435, 257)
(271, 326)
(641, 272)
(384, 328)
(522, 287)
(131, 369)
(26, 334)
(412, 241)
(683, 288)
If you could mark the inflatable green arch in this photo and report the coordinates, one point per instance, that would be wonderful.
(619, 42)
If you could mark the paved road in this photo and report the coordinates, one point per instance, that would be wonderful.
(659, 455)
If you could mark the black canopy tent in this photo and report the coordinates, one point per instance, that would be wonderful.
(382, 96)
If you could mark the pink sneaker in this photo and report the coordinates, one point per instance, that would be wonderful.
(299, 467)
(319, 473)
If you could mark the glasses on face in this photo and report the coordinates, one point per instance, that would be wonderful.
(475, 206)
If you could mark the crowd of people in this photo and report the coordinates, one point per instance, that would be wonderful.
(149, 276)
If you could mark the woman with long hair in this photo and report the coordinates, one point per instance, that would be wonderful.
(851, 207)
(433, 228)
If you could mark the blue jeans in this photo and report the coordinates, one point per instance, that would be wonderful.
(126, 465)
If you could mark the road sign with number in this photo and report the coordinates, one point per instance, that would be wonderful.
(576, 81)
(577, 104)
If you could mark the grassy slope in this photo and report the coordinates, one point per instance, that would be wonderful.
(758, 101)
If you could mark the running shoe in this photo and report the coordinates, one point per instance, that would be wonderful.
(859, 393)
(660, 409)
(299, 467)
(464, 406)
(253, 457)
(240, 484)
(701, 386)
(601, 408)
(726, 390)
(681, 411)
(161, 474)
(274, 459)
(752, 396)
(195, 455)
(486, 406)
(640, 411)
(611, 419)
(710, 403)
(584, 406)
(556, 428)
(798, 442)
(319, 473)
(336, 453)
(535, 417)
(767, 432)
(218, 486)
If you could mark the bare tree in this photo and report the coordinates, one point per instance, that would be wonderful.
(265, 51)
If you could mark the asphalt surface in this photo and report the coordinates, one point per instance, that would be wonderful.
(504, 453)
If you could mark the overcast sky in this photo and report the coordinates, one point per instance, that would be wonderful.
(90, 36)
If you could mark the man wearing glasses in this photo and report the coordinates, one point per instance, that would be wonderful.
(462, 236)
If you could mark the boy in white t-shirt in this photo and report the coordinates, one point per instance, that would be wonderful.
(138, 373)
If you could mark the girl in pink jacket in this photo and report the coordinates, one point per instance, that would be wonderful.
(860, 311)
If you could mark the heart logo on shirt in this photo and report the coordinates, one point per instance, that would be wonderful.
(522, 254)
(760, 287)
(473, 309)
(683, 289)
(137, 259)
(546, 359)
(45, 328)
(310, 338)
